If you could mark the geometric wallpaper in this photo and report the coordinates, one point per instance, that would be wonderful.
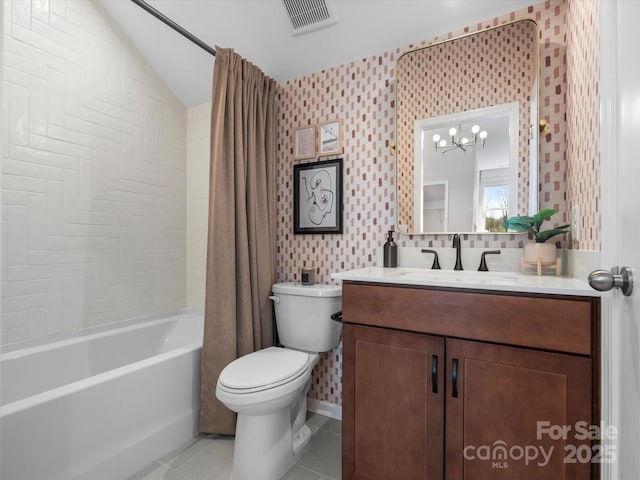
(361, 94)
(583, 167)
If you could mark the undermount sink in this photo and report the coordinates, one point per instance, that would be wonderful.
(449, 276)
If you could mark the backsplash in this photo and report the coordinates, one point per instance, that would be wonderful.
(361, 94)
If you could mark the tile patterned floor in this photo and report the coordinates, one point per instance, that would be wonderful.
(209, 457)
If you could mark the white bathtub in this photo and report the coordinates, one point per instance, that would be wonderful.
(103, 403)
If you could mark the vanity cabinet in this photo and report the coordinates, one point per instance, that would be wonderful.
(467, 384)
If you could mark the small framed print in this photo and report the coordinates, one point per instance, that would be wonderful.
(303, 142)
(330, 138)
(317, 197)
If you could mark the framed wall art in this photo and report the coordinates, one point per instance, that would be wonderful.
(317, 197)
(304, 142)
(330, 138)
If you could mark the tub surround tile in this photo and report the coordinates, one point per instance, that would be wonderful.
(198, 141)
(95, 149)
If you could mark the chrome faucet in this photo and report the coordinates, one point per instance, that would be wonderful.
(456, 245)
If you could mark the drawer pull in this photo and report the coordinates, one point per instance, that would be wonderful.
(454, 378)
(434, 374)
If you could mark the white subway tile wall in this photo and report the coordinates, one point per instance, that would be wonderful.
(93, 177)
(198, 141)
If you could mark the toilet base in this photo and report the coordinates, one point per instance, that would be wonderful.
(265, 448)
(301, 440)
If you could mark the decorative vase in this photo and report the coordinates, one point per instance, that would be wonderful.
(546, 252)
(541, 255)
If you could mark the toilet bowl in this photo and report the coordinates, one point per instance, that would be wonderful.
(264, 380)
(264, 410)
(268, 388)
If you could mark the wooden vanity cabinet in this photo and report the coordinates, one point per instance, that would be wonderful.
(395, 425)
(419, 403)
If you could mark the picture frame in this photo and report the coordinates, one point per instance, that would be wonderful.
(317, 197)
(303, 142)
(329, 138)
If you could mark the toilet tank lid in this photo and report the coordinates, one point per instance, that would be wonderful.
(316, 290)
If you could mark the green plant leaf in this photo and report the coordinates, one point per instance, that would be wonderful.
(521, 224)
(532, 225)
(542, 237)
(542, 215)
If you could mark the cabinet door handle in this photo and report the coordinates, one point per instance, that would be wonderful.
(454, 378)
(434, 374)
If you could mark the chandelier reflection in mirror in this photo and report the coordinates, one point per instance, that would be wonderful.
(458, 141)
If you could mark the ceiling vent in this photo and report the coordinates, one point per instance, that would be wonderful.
(308, 15)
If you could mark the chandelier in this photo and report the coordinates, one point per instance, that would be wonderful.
(458, 141)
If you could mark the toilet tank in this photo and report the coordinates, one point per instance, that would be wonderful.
(303, 315)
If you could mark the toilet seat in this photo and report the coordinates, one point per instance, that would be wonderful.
(263, 370)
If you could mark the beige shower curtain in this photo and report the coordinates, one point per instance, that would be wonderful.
(241, 246)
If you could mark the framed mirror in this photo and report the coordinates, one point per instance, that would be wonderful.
(467, 143)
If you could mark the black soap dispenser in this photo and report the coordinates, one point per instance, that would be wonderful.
(390, 251)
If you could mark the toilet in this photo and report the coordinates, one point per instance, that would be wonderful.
(268, 388)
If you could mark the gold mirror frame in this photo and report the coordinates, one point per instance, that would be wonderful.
(439, 103)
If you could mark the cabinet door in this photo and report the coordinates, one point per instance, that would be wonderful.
(514, 413)
(393, 404)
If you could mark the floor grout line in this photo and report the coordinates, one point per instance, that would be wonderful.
(189, 453)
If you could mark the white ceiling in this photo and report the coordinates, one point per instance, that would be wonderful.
(259, 31)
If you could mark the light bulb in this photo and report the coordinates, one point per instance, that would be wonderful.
(483, 135)
(465, 140)
(436, 138)
(452, 131)
(475, 129)
(443, 143)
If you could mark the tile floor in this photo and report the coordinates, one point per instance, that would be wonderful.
(209, 457)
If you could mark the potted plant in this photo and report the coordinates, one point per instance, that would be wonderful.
(546, 252)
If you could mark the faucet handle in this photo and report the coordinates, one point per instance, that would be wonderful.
(483, 261)
(436, 264)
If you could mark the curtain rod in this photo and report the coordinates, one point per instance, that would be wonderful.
(167, 21)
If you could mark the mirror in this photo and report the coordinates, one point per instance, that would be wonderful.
(467, 148)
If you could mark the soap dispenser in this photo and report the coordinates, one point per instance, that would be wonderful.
(390, 251)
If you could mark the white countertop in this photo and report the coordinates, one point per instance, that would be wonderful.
(502, 281)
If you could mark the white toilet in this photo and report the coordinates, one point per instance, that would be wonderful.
(268, 388)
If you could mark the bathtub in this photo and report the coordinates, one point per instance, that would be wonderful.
(103, 403)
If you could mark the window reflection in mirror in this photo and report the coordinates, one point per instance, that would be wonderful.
(491, 68)
(480, 174)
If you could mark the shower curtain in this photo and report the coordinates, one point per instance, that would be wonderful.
(241, 244)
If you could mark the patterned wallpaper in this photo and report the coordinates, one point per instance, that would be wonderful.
(583, 172)
(361, 94)
(489, 69)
